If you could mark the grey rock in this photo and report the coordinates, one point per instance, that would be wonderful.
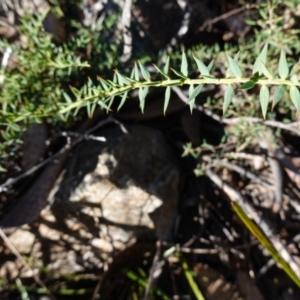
(127, 184)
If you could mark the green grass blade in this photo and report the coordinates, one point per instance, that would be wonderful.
(143, 282)
(256, 231)
(189, 277)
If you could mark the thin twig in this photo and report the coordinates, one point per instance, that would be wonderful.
(278, 179)
(242, 155)
(222, 17)
(68, 146)
(199, 251)
(183, 97)
(34, 199)
(97, 288)
(155, 270)
(267, 142)
(233, 121)
(243, 172)
(68, 134)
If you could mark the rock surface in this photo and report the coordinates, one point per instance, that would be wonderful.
(125, 179)
(109, 195)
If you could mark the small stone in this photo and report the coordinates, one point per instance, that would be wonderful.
(23, 240)
(49, 233)
(102, 245)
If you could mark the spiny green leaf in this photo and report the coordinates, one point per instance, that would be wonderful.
(191, 90)
(142, 96)
(184, 65)
(191, 104)
(65, 95)
(264, 96)
(167, 98)
(235, 70)
(228, 95)
(193, 93)
(263, 14)
(179, 74)
(111, 101)
(167, 65)
(144, 72)
(295, 96)
(262, 57)
(115, 79)
(124, 97)
(263, 70)
(111, 83)
(278, 94)
(294, 79)
(251, 22)
(247, 85)
(161, 72)
(136, 73)
(283, 68)
(103, 105)
(121, 79)
(74, 91)
(191, 100)
(264, 53)
(196, 91)
(88, 108)
(132, 73)
(104, 85)
(94, 107)
(84, 90)
(209, 67)
(202, 67)
(236, 57)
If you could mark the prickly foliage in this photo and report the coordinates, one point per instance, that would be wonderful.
(142, 80)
